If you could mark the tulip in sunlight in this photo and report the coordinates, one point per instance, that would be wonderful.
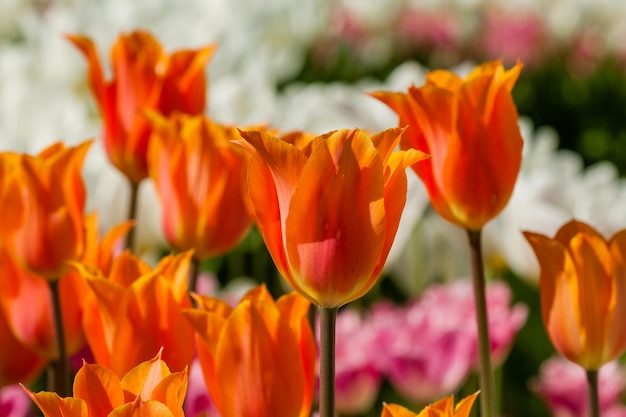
(583, 292)
(200, 176)
(329, 207)
(442, 408)
(258, 358)
(469, 127)
(149, 389)
(144, 77)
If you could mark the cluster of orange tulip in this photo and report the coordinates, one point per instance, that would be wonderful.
(328, 208)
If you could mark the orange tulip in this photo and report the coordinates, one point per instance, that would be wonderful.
(44, 196)
(329, 207)
(583, 292)
(26, 304)
(469, 127)
(149, 389)
(258, 359)
(442, 408)
(144, 77)
(200, 176)
(138, 309)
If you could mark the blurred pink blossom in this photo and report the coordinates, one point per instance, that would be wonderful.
(505, 320)
(14, 402)
(588, 48)
(198, 402)
(423, 353)
(432, 30)
(427, 348)
(563, 386)
(513, 35)
(357, 378)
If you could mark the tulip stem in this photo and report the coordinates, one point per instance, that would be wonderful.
(132, 215)
(194, 271)
(487, 385)
(59, 371)
(328, 317)
(594, 399)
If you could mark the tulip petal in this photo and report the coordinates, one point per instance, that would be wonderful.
(267, 208)
(172, 391)
(257, 350)
(24, 292)
(151, 318)
(595, 271)
(142, 409)
(295, 308)
(141, 380)
(99, 388)
(185, 80)
(96, 77)
(127, 268)
(208, 327)
(17, 363)
(616, 338)
(396, 410)
(54, 406)
(559, 291)
(464, 407)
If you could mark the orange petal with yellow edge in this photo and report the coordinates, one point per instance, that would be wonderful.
(396, 410)
(140, 408)
(100, 388)
(141, 380)
(54, 406)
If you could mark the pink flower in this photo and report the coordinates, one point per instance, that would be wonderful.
(437, 347)
(14, 402)
(514, 36)
(424, 353)
(357, 377)
(198, 402)
(433, 30)
(563, 386)
(456, 302)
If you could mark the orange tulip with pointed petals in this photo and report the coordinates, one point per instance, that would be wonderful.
(136, 310)
(149, 389)
(44, 196)
(442, 408)
(200, 176)
(144, 77)
(329, 207)
(258, 359)
(583, 292)
(469, 127)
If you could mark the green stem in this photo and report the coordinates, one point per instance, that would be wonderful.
(328, 317)
(487, 386)
(132, 215)
(594, 399)
(194, 271)
(59, 379)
